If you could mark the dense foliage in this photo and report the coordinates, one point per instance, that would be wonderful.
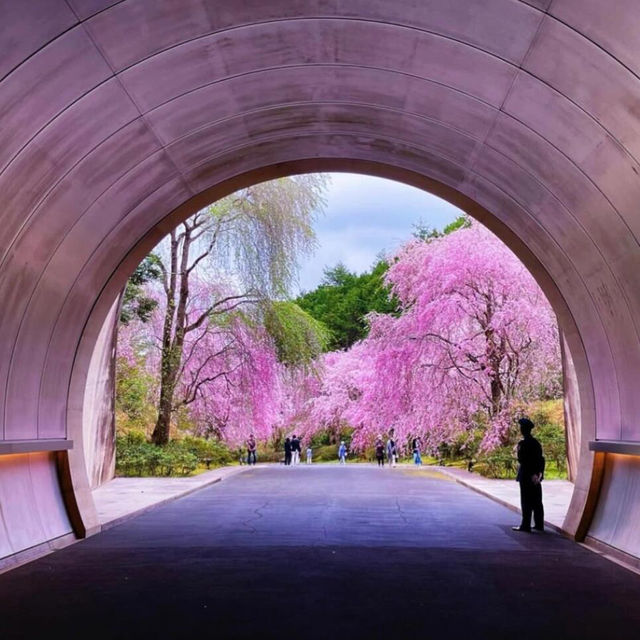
(475, 341)
(449, 340)
(135, 302)
(298, 337)
(136, 456)
(343, 300)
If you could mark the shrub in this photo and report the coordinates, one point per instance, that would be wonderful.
(326, 453)
(551, 434)
(135, 456)
(210, 452)
(499, 464)
(267, 455)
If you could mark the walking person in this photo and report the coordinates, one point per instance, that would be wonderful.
(379, 446)
(530, 474)
(417, 445)
(342, 453)
(392, 450)
(295, 449)
(287, 451)
(309, 454)
(251, 449)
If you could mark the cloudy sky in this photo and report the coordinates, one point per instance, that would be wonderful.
(365, 216)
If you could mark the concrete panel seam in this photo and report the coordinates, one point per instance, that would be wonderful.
(310, 18)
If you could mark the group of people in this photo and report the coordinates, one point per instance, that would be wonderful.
(531, 464)
(390, 450)
(292, 450)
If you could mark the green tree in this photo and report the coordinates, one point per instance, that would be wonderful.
(298, 336)
(134, 394)
(135, 302)
(257, 234)
(424, 232)
(343, 300)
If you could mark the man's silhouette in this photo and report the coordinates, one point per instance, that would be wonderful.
(530, 473)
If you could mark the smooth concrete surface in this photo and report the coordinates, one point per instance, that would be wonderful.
(556, 493)
(120, 118)
(31, 509)
(620, 501)
(321, 551)
(98, 409)
(571, 406)
(122, 498)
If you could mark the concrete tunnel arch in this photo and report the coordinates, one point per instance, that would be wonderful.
(121, 118)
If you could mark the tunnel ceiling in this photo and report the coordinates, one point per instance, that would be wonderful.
(114, 114)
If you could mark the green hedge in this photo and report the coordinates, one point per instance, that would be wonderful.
(135, 456)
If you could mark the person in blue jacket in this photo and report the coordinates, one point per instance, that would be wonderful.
(342, 453)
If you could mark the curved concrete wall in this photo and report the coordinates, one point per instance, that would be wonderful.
(119, 118)
(98, 409)
(32, 512)
(571, 389)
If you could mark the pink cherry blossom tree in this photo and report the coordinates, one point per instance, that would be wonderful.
(228, 379)
(255, 237)
(475, 339)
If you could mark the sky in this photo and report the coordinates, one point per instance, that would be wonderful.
(365, 216)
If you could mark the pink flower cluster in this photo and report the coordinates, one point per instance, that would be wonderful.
(474, 340)
(476, 337)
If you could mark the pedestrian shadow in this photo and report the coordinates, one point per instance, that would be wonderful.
(533, 536)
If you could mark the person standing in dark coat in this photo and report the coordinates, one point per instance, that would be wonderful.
(530, 474)
(380, 451)
(287, 451)
(392, 451)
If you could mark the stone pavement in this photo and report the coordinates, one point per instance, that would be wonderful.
(347, 551)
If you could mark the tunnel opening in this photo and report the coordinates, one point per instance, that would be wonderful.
(202, 414)
(573, 399)
(120, 118)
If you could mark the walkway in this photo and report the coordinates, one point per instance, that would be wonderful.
(317, 551)
(556, 493)
(124, 498)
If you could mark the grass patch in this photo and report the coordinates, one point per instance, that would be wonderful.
(427, 473)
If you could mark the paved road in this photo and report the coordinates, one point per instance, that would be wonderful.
(318, 552)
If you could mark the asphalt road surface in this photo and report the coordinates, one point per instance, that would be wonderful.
(323, 552)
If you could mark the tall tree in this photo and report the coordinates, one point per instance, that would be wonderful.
(343, 300)
(426, 233)
(228, 381)
(253, 237)
(136, 303)
(475, 337)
